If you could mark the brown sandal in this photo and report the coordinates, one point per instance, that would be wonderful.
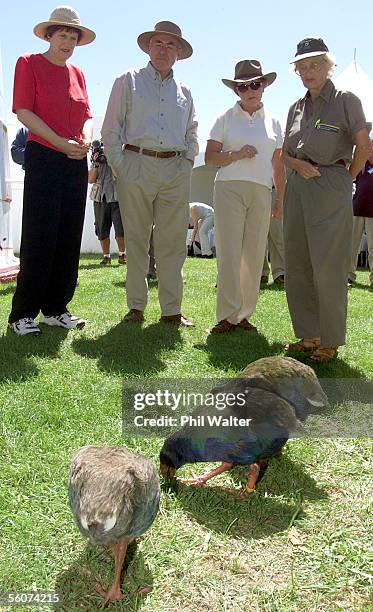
(303, 346)
(323, 354)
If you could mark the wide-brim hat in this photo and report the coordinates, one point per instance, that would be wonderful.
(249, 70)
(309, 47)
(166, 27)
(66, 17)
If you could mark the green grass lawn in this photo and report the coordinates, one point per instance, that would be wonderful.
(300, 543)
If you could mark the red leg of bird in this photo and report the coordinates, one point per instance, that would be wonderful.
(252, 477)
(201, 480)
(118, 550)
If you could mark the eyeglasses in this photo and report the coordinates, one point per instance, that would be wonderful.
(255, 85)
(313, 67)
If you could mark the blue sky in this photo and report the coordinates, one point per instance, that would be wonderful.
(220, 32)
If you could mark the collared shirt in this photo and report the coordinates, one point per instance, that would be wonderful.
(323, 130)
(147, 112)
(363, 197)
(56, 94)
(236, 128)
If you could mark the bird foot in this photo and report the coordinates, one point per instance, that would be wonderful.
(114, 594)
(198, 481)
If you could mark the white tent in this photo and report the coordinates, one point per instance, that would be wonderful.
(353, 78)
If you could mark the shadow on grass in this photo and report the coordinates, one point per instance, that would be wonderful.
(76, 585)
(338, 368)
(237, 349)
(16, 352)
(8, 288)
(270, 509)
(130, 349)
(272, 287)
(357, 285)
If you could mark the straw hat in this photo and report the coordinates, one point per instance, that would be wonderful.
(249, 70)
(309, 47)
(166, 27)
(69, 18)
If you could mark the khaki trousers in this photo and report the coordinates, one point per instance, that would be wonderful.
(242, 215)
(361, 223)
(154, 191)
(317, 240)
(275, 249)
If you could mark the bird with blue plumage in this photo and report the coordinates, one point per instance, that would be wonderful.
(273, 397)
(114, 496)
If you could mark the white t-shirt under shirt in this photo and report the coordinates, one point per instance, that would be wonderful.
(237, 128)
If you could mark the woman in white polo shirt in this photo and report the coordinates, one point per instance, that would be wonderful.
(245, 142)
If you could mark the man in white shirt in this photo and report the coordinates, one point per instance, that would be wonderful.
(150, 138)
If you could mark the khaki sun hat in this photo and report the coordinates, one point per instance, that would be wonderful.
(69, 18)
(165, 27)
(309, 47)
(249, 70)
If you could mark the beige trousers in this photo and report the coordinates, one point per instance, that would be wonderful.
(275, 249)
(242, 216)
(361, 223)
(154, 191)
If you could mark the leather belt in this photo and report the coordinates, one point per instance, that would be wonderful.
(162, 154)
(339, 162)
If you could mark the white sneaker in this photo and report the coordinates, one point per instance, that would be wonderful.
(25, 326)
(65, 320)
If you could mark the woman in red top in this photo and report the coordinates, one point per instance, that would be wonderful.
(50, 99)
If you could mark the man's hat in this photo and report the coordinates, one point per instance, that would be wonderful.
(166, 27)
(66, 17)
(249, 70)
(309, 47)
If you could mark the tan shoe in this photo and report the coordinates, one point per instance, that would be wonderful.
(323, 354)
(303, 346)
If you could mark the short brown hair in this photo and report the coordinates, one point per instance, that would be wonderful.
(55, 28)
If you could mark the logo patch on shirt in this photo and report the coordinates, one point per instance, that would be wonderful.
(327, 127)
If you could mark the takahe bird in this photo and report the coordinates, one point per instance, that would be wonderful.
(276, 395)
(114, 496)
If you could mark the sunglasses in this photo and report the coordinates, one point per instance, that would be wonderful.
(255, 85)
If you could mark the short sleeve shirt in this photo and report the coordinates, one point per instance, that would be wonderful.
(323, 130)
(236, 128)
(56, 94)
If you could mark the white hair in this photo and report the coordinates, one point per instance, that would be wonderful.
(328, 57)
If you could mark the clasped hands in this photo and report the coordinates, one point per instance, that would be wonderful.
(74, 149)
(246, 151)
(307, 170)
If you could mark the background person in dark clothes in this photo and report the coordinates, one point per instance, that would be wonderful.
(18, 146)
(363, 215)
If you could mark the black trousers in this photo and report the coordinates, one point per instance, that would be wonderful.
(54, 199)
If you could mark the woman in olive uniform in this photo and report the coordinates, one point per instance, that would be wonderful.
(321, 131)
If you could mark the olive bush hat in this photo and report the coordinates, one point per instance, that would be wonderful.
(309, 47)
(66, 17)
(166, 27)
(249, 70)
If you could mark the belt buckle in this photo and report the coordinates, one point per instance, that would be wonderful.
(156, 154)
